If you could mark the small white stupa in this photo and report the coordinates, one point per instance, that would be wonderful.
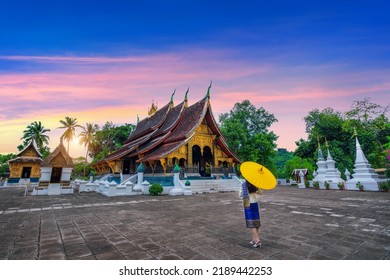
(321, 171)
(332, 175)
(363, 172)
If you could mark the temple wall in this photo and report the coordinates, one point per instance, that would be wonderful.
(16, 169)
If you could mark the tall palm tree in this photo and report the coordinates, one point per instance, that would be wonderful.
(86, 137)
(69, 124)
(36, 131)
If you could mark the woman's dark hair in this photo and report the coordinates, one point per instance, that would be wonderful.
(251, 188)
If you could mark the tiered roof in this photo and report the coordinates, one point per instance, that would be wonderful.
(168, 129)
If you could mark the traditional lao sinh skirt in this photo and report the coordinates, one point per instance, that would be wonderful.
(251, 210)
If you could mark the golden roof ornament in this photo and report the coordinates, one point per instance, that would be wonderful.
(153, 109)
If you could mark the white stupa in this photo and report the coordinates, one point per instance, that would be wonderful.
(363, 173)
(332, 175)
(321, 171)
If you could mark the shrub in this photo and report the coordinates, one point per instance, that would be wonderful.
(316, 185)
(326, 184)
(307, 183)
(155, 189)
(360, 186)
(340, 185)
(385, 185)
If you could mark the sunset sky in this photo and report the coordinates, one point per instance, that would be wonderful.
(101, 61)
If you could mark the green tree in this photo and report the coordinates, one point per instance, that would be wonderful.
(108, 139)
(4, 167)
(80, 169)
(245, 128)
(36, 131)
(69, 124)
(368, 119)
(87, 137)
(280, 159)
(372, 125)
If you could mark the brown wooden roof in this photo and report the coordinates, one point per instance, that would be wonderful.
(31, 148)
(190, 120)
(168, 129)
(26, 160)
(58, 158)
(150, 124)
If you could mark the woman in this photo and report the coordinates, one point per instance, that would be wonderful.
(252, 212)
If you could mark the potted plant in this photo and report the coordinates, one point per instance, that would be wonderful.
(360, 186)
(316, 185)
(340, 185)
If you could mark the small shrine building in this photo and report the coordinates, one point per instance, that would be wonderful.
(185, 135)
(57, 167)
(26, 165)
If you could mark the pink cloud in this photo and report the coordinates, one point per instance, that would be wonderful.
(98, 89)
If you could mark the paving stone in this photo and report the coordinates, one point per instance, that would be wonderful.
(296, 224)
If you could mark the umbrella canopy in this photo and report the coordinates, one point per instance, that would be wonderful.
(258, 175)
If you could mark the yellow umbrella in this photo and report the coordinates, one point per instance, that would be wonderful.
(258, 175)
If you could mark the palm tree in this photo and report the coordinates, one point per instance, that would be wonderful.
(70, 125)
(36, 131)
(86, 137)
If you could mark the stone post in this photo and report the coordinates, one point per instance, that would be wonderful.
(129, 188)
(178, 188)
(140, 178)
(112, 189)
(187, 188)
(145, 187)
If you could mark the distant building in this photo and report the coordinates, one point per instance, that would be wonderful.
(296, 176)
(185, 135)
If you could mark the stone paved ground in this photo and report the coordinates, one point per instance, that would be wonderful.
(296, 224)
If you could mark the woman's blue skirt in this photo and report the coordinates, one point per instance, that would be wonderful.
(252, 215)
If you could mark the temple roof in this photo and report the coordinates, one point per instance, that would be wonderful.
(30, 148)
(150, 123)
(30, 154)
(58, 158)
(191, 118)
(168, 129)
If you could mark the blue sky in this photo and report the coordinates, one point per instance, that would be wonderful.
(286, 56)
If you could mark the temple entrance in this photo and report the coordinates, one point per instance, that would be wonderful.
(56, 175)
(26, 172)
(126, 166)
(197, 159)
(208, 160)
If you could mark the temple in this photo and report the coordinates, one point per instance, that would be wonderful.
(184, 135)
(27, 164)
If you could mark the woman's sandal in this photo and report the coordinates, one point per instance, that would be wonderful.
(257, 244)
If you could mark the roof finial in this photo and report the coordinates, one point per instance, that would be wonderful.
(186, 98)
(173, 95)
(318, 139)
(137, 119)
(326, 143)
(354, 131)
(186, 95)
(208, 91)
